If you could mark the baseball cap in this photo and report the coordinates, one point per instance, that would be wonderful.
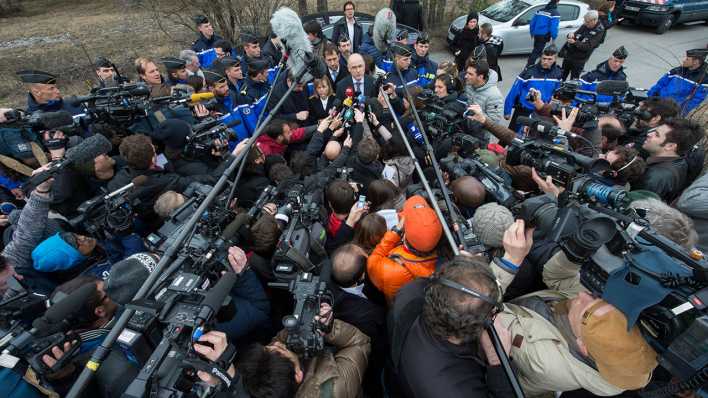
(422, 227)
(622, 356)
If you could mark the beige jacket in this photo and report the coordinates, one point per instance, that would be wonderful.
(539, 351)
(340, 373)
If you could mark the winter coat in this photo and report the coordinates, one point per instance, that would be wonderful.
(341, 28)
(202, 43)
(687, 87)
(335, 373)
(694, 203)
(534, 76)
(545, 22)
(269, 146)
(463, 44)
(586, 41)
(601, 73)
(390, 266)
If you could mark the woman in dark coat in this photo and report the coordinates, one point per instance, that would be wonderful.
(466, 40)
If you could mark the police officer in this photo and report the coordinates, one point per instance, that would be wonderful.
(231, 68)
(611, 69)
(252, 51)
(581, 44)
(43, 93)
(421, 62)
(686, 84)
(176, 71)
(256, 85)
(218, 85)
(207, 37)
(402, 62)
(105, 73)
(543, 28)
(544, 76)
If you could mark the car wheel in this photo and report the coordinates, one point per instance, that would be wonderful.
(666, 25)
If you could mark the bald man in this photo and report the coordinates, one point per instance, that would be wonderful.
(332, 150)
(468, 194)
(358, 80)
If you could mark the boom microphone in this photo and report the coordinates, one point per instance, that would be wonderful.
(287, 25)
(384, 29)
(50, 120)
(85, 151)
(215, 297)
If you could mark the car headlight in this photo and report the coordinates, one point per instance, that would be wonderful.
(657, 8)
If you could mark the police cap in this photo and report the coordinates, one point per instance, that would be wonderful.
(400, 50)
(200, 19)
(172, 63)
(214, 76)
(699, 53)
(620, 53)
(36, 76)
(248, 37)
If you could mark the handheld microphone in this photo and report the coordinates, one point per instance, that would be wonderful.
(85, 151)
(201, 97)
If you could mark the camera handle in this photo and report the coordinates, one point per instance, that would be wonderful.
(436, 167)
(102, 351)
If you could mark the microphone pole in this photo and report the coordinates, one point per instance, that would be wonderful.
(429, 151)
(423, 179)
(283, 60)
(504, 359)
(102, 352)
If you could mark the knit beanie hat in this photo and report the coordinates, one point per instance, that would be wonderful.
(55, 254)
(128, 275)
(422, 227)
(472, 15)
(489, 223)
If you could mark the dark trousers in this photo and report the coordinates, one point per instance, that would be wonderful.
(539, 43)
(573, 68)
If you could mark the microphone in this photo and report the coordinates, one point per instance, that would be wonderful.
(85, 151)
(287, 25)
(50, 120)
(201, 97)
(349, 94)
(260, 202)
(384, 30)
(215, 297)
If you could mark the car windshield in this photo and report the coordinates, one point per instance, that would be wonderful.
(504, 10)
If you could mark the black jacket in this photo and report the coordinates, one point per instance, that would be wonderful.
(408, 12)
(492, 57)
(428, 367)
(294, 103)
(465, 42)
(251, 185)
(586, 41)
(369, 89)
(202, 43)
(364, 173)
(342, 74)
(269, 50)
(340, 28)
(317, 111)
(665, 176)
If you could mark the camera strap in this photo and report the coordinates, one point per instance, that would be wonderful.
(22, 168)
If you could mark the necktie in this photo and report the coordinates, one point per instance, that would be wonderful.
(358, 88)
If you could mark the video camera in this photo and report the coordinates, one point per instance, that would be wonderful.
(562, 165)
(301, 246)
(205, 135)
(654, 282)
(109, 214)
(439, 120)
(123, 104)
(305, 334)
(493, 183)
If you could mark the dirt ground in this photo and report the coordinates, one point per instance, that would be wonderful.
(65, 36)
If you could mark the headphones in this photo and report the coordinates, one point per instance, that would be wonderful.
(449, 82)
(615, 173)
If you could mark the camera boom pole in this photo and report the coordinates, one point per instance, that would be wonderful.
(104, 349)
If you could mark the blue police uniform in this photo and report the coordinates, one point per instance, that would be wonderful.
(687, 87)
(545, 81)
(202, 43)
(425, 67)
(543, 27)
(252, 90)
(602, 72)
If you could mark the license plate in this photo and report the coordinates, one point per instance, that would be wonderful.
(630, 8)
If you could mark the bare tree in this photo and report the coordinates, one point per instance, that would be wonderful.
(229, 17)
(321, 6)
(302, 7)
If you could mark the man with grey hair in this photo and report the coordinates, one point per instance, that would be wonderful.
(192, 63)
(668, 222)
(581, 44)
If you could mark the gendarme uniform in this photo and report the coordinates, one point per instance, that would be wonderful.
(173, 65)
(252, 90)
(687, 87)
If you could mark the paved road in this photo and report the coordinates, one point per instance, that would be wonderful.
(650, 55)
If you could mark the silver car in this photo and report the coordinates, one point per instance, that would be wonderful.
(510, 20)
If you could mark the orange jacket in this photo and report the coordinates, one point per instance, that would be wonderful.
(391, 266)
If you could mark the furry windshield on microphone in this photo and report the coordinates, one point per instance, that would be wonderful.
(287, 26)
(384, 29)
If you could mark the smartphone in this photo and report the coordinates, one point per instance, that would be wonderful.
(362, 201)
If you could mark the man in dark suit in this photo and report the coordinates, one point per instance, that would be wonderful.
(349, 26)
(358, 80)
(335, 71)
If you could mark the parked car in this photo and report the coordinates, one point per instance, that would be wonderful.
(510, 20)
(663, 14)
(328, 19)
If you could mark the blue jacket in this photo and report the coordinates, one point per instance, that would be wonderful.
(367, 47)
(202, 43)
(410, 76)
(602, 72)
(52, 106)
(252, 307)
(687, 87)
(545, 22)
(425, 67)
(544, 80)
(252, 90)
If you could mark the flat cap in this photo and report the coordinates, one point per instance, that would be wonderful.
(200, 19)
(699, 53)
(620, 53)
(172, 63)
(229, 61)
(213, 76)
(400, 50)
(402, 35)
(36, 76)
